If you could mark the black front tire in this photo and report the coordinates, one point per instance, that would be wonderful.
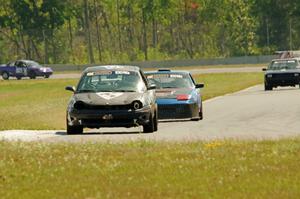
(47, 76)
(5, 75)
(200, 115)
(268, 87)
(150, 127)
(73, 130)
(156, 122)
(32, 75)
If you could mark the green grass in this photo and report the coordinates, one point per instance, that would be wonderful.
(218, 169)
(224, 83)
(41, 103)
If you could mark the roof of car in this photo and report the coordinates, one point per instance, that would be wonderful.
(164, 71)
(26, 60)
(112, 67)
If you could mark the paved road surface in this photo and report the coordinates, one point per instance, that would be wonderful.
(249, 114)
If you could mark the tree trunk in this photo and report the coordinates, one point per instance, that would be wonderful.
(99, 39)
(119, 28)
(46, 48)
(131, 26)
(87, 32)
(154, 32)
(144, 31)
(71, 39)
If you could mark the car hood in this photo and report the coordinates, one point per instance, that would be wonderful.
(109, 98)
(172, 93)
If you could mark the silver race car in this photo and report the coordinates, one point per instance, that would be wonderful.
(112, 96)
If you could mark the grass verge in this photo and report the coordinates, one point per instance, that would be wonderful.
(218, 169)
(41, 103)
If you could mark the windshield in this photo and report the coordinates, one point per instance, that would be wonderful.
(111, 81)
(283, 64)
(170, 80)
(33, 64)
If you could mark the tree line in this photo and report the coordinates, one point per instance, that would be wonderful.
(105, 31)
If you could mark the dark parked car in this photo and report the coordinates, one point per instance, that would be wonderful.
(112, 96)
(178, 96)
(282, 72)
(24, 68)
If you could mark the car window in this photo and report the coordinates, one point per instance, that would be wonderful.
(33, 64)
(283, 64)
(111, 81)
(11, 64)
(20, 64)
(170, 80)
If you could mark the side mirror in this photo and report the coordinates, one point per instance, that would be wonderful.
(264, 69)
(200, 85)
(70, 88)
(152, 87)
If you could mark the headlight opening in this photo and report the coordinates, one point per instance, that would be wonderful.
(137, 105)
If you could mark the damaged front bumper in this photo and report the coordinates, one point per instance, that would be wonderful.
(108, 118)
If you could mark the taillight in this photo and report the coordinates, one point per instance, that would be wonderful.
(183, 97)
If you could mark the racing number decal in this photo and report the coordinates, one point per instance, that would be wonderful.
(21, 70)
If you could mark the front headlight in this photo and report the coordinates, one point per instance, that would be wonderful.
(296, 74)
(79, 105)
(137, 105)
(269, 76)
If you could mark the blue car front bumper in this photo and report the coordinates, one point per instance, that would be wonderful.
(174, 109)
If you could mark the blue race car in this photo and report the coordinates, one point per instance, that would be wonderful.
(24, 68)
(177, 94)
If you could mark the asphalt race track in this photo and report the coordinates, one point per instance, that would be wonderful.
(249, 114)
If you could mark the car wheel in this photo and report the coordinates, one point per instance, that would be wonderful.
(5, 75)
(150, 127)
(32, 75)
(201, 114)
(155, 122)
(73, 130)
(268, 88)
(18, 78)
(47, 76)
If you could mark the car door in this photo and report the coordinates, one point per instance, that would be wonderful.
(21, 68)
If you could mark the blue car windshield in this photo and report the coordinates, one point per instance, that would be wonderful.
(111, 81)
(170, 80)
